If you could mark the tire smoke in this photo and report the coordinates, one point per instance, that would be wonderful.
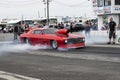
(17, 47)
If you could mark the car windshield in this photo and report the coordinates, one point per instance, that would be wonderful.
(49, 31)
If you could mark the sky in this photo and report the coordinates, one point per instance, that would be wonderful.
(31, 8)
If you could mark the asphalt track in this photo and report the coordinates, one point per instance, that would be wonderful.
(90, 63)
(94, 62)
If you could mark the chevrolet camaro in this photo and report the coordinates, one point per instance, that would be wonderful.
(54, 38)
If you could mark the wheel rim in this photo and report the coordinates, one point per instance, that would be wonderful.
(27, 41)
(54, 44)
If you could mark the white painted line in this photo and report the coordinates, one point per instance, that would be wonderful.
(110, 46)
(6, 42)
(12, 76)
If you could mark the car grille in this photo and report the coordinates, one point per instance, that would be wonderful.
(75, 40)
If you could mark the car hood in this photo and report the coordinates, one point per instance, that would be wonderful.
(62, 32)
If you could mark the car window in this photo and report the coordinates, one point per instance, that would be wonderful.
(37, 32)
(78, 25)
(49, 31)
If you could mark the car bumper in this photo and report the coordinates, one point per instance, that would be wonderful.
(77, 45)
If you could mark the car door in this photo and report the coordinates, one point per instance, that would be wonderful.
(37, 36)
(47, 36)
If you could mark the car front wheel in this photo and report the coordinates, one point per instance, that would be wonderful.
(54, 44)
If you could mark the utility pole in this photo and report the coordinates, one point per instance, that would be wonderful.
(46, 2)
(38, 14)
(47, 12)
(44, 7)
(21, 20)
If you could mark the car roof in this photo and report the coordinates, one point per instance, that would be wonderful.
(41, 28)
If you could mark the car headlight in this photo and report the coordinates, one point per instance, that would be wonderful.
(84, 39)
(66, 41)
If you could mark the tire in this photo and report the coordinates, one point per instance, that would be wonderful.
(81, 47)
(54, 44)
(27, 41)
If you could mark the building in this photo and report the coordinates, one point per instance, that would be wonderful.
(105, 9)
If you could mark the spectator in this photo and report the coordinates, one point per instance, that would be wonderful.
(71, 27)
(112, 31)
(87, 28)
(62, 25)
(15, 31)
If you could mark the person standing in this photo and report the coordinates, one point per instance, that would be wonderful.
(87, 28)
(71, 27)
(15, 31)
(112, 30)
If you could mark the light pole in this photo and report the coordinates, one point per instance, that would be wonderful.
(44, 7)
(46, 2)
(21, 20)
(38, 14)
(47, 12)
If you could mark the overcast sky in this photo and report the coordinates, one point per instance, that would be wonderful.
(30, 8)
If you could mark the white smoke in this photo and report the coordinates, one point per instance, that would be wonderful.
(12, 47)
(96, 40)
(96, 37)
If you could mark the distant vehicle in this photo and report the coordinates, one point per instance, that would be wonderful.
(52, 21)
(78, 27)
(53, 38)
(67, 26)
(29, 22)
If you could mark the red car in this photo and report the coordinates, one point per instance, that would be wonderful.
(53, 38)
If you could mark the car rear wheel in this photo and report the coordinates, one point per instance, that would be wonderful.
(54, 44)
(27, 41)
